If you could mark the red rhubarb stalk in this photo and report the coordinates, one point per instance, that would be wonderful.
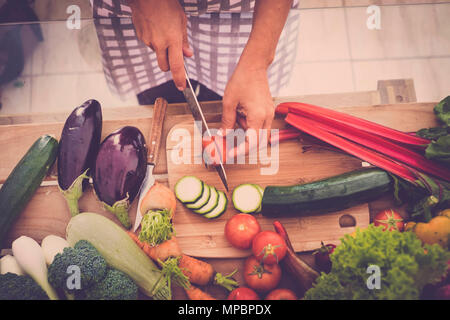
(285, 134)
(384, 146)
(310, 127)
(319, 113)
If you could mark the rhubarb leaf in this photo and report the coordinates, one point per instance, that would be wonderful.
(439, 150)
(442, 111)
(433, 133)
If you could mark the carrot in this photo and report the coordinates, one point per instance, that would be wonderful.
(195, 293)
(198, 272)
(159, 197)
(203, 273)
(160, 252)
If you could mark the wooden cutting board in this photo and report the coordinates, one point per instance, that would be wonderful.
(47, 211)
(203, 237)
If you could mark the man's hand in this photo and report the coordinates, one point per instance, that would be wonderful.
(161, 25)
(247, 101)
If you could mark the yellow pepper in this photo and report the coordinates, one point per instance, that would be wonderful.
(437, 230)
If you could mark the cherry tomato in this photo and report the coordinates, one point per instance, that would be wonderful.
(269, 247)
(261, 277)
(281, 294)
(390, 219)
(240, 230)
(243, 293)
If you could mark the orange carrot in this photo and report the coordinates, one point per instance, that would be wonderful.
(195, 293)
(198, 272)
(160, 252)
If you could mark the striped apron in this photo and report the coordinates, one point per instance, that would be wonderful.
(218, 31)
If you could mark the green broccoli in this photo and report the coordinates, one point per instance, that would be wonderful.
(115, 286)
(15, 287)
(92, 266)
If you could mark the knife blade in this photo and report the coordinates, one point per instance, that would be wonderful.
(154, 141)
(199, 117)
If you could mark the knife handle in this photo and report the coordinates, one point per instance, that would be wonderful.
(154, 141)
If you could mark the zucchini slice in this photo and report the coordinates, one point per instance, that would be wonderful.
(212, 202)
(189, 189)
(261, 190)
(247, 198)
(202, 200)
(220, 208)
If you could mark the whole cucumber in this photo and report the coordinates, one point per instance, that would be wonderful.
(328, 195)
(24, 180)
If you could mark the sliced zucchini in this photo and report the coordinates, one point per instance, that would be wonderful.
(202, 200)
(212, 202)
(247, 198)
(189, 189)
(220, 208)
(261, 190)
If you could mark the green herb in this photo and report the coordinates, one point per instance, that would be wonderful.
(405, 267)
(156, 227)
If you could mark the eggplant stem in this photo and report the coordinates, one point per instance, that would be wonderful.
(120, 209)
(74, 193)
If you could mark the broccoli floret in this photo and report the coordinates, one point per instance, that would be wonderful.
(115, 286)
(91, 264)
(15, 287)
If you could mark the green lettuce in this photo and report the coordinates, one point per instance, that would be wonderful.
(405, 265)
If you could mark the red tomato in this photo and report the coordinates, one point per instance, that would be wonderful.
(281, 294)
(390, 219)
(215, 149)
(240, 230)
(269, 247)
(261, 277)
(243, 293)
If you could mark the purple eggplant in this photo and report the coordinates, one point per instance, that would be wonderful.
(119, 171)
(78, 147)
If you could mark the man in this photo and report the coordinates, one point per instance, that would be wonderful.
(230, 46)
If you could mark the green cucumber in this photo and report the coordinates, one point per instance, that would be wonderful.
(247, 198)
(203, 200)
(212, 202)
(24, 180)
(189, 189)
(220, 208)
(328, 195)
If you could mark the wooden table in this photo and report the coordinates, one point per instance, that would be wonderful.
(392, 104)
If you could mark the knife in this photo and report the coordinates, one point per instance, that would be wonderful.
(154, 141)
(199, 118)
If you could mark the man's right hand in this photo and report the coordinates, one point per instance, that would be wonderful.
(161, 25)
